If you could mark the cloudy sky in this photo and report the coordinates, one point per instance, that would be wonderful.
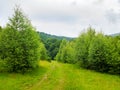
(66, 17)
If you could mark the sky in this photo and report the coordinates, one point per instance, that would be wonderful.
(66, 17)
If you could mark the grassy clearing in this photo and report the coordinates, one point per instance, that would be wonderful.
(58, 76)
(80, 79)
(16, 81)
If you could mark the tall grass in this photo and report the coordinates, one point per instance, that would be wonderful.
(59, 76)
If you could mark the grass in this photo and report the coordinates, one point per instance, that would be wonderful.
(17, 81)
(58, 76)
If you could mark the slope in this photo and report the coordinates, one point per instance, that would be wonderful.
(70, 77)
(59, 76)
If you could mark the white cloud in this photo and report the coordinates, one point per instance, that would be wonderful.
(66, 17)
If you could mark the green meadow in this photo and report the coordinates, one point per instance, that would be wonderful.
(58, 76)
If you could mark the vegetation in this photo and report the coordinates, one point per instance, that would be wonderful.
(92, 51)
(59, 76)
(82, 46)
(20, 44)
(52, 43)
(45, 36)
(52, 46)
(21, 48)
(65, 53)
(99, 51)
(43, 52)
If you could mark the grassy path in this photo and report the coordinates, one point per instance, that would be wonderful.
(59, 76)
(69, 77)
(52, 80)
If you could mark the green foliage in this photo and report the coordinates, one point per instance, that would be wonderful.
(8, 47)
(66, 52)
(59, 55)
(104, 54)
(45, 36)
(52, 43)
(98, 54)
(20, 44)
(82, 46)
(43, 52)
(114, 61)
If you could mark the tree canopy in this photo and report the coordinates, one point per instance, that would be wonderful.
(20, 44)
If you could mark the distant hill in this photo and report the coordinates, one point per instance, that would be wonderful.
(46, 36)
(116, 34)
(52, 43)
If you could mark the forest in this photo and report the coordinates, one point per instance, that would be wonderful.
(91, 50)
(23, 51)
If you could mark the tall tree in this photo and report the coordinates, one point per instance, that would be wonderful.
(114, 61)
(43, 52)
(99, 54)
(60, 52)
(68, 53)
(82, 46)
(20, 44)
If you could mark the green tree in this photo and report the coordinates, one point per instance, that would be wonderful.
(43, 52)
(51, 44)
(20, 44)
(60, 52)
(114, 61)
(68, 53)
(82, 46)
(99, 54)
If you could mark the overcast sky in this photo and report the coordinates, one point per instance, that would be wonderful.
(66, 17)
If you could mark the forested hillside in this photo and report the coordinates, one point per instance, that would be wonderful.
(52, 43)
(45, 36)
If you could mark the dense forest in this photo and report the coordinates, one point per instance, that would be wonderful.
(92, 50)
(52, 43)
(21, 47)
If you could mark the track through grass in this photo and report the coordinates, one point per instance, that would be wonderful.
(59, 76)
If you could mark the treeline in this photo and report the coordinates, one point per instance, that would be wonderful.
(20, 45)
(52, 44)
(92, 50)
(45, 36)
